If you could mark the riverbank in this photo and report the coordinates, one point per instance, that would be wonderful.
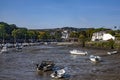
(92, 45)
(89, 45)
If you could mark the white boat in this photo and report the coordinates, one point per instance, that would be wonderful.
(19, 47)
(95, 58)
(78, 52)
(4, 49)
(113, 52)
(58, 74)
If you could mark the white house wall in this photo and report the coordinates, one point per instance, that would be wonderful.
(102, 36)
(108, 37)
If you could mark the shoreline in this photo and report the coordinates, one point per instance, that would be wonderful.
(69, 44)
(86, 46)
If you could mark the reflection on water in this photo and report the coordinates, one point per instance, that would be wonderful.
(16, 65)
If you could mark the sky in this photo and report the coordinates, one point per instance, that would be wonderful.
(45, 14)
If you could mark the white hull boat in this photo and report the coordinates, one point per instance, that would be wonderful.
(58, 74)
(78, 52)
(4, 49)
(19, 47)
(113, 52)
(95, 58)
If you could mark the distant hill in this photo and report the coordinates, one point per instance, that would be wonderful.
(74, 29)
(64, 28)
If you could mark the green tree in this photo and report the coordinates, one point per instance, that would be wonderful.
(111, 32)
(19, 33)
(100, 29)
(111, 43)
(89, 33)
(44, 35)
(6, 30)
(57, 35)
(2, 32)
(82, 40)
(74, 34)
(31, 34)
(15, 34)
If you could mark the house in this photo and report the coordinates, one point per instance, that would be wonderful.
(102, 36)
(108, 36)
(65, 34)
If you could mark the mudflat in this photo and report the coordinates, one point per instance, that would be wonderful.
(20, 65)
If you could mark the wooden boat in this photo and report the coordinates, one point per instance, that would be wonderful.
(45, 66)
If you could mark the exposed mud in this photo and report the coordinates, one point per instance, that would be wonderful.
(20, 65)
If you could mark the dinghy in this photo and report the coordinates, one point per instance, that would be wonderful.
(19, 47)
(112, 52)
(4, 49)
(58, 73)
(95, 58)
(45, 66)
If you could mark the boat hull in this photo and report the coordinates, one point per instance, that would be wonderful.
(95, 58)
(58, 74)
(113, 52)
(78, 52)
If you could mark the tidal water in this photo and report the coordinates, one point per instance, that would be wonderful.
(20, 65)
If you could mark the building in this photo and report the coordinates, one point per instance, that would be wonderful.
(65, 34)
(108, 36)
(102, 36)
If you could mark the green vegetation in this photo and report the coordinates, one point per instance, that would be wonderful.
(13, 33)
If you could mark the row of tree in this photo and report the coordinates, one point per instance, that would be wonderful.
(13, 33)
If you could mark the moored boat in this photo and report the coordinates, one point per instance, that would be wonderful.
(95, 58)
(112, 52)
(45, 66)
(78, 52)
(19, 47)
(4, 49)
(58, 73)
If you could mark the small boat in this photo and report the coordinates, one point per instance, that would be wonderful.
(113, 52)
(4, 49)
(58, 73)
(19, 47)
(45, 66)
(78, 52)
(95, 58)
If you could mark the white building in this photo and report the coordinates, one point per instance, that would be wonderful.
(102, 36)
(65, 34)
(108, 37)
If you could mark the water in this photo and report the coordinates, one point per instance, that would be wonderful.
(20, 65)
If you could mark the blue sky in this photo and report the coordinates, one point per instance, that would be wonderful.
(40, 14)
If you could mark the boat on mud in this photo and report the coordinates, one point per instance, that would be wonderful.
(19, 47)
(74, 51)
(112, 52)
(58, 73)
(45, 66)
(4, 49)
(95, 58)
